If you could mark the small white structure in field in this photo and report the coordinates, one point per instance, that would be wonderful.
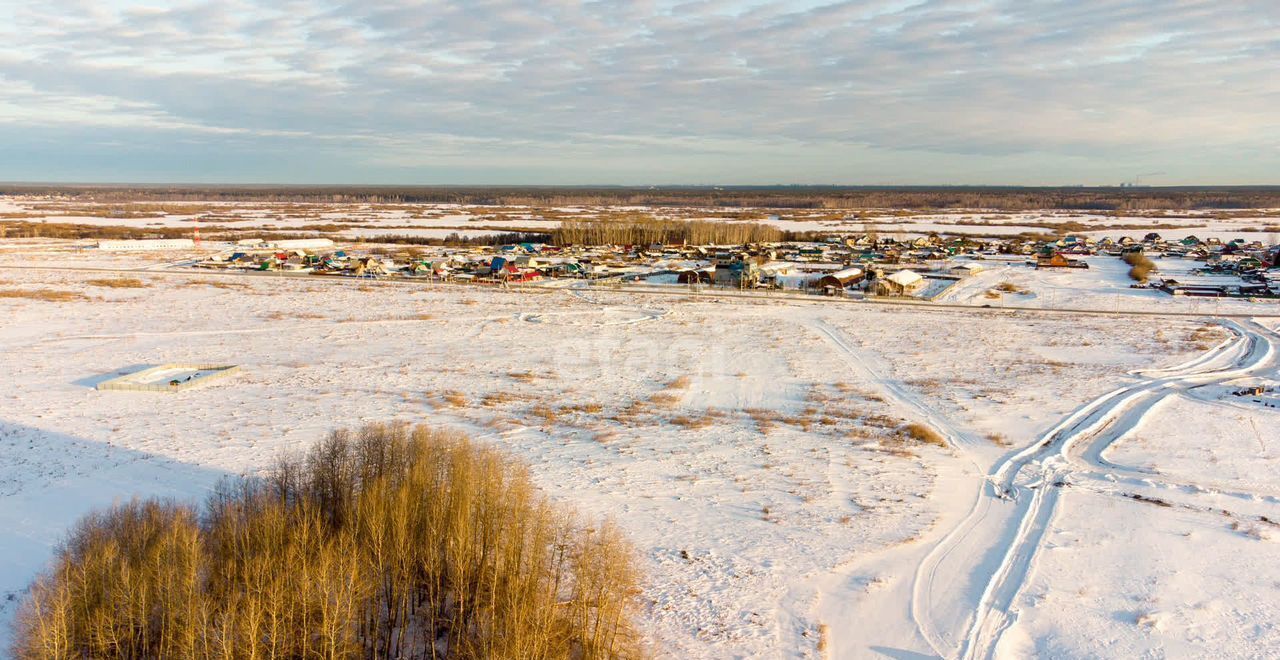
(169, 377)
(966, 269)
(303, 244)
(149, 244)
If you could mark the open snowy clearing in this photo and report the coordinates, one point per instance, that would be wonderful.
(1105, 285)
(751, 449)
(440, 219)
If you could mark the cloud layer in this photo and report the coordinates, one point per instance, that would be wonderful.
(642, 91)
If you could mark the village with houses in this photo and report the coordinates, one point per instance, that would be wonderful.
(923, 267)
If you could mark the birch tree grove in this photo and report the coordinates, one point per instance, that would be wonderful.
(667, 232)
(383, 542)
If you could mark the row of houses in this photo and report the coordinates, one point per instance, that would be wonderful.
(868, 263)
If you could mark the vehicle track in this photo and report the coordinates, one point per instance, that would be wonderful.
(907, 400)
(1077, 444)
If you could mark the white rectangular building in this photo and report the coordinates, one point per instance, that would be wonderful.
(149, 244)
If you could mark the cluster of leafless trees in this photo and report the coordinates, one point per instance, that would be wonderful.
(1140, 266)
(386, 542)
(667, 232)
(792, 197)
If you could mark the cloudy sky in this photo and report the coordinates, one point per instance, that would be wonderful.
(641, 91)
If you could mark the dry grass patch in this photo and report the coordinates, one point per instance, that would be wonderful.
(679, 383)
(694, 422)
(118, 283)
(922, 433)
(454, 398)
(500, 398)
(522, 376)
(881, 421)
(929, 385)
(664, 399)
(547, 414)
(228, 285)
(47, 295)
(281, 316)
(590, 408)
(766, 420)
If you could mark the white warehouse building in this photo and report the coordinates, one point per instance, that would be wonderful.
(149, 244)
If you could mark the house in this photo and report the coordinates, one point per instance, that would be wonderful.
(368, 267)
(966, 269)
(696, 275)
(812, 253)
(528, 261)
(1245, 264)
(1059, 260)
(1074, 242)
(901, 283)
(840, 280)
(736, 273)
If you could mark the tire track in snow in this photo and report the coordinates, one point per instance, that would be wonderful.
(1098, 424)
(904, 399)
(1237, 355)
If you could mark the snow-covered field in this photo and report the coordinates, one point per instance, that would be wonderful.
(437, 220)
(1104, 286)
(1093, 498)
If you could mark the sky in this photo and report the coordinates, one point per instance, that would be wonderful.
(639, 92)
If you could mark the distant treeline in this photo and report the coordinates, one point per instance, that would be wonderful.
(389, 542)
(75, 231)
(783, 197)
(670, 232)
(456, 239)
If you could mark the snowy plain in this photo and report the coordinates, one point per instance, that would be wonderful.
(436, 220)
(750, 448)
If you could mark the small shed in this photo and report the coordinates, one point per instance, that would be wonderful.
(966, 269)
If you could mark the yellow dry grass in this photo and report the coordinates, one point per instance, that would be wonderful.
(118, 283)
(46, 295)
